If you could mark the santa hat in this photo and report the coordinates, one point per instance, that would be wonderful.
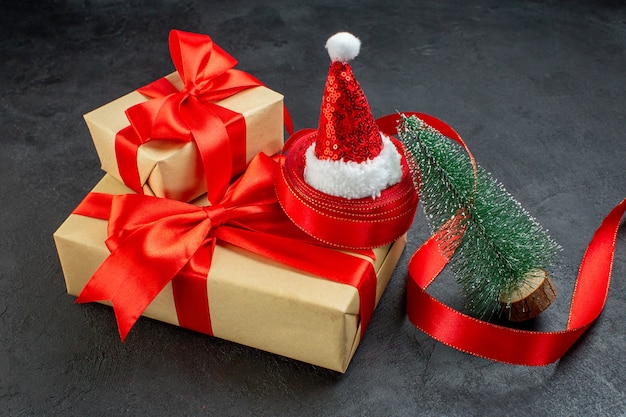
(350, 157)
(346, 183)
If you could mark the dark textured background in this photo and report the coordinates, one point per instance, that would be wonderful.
(535, 88)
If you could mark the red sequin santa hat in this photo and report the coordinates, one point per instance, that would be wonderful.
(350, 157)
(346, 183)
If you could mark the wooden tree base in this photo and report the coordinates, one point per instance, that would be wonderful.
(531, 299)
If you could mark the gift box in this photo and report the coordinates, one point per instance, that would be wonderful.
(200, 124)
(252, 300)
(173, 169)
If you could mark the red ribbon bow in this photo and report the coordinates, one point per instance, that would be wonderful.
(154, 241)
(190, 114)
(498, 343)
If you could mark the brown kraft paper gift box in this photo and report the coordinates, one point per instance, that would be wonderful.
(253, 301)
(173, 169)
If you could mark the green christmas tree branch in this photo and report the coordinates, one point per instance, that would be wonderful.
(500, 243)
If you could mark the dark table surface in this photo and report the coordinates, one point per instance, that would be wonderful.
(537, 89)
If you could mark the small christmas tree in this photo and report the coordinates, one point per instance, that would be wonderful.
(498, 252)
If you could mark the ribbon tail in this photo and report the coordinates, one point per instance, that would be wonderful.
(137, 269)
(126, 148)
(216, 154)
(190, 291)
(129, 298)
(505, 344)
(483, 339)
(594, 275)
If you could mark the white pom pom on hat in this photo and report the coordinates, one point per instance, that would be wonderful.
(343, 46)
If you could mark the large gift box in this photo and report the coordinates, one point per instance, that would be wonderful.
(200, 124)
(272, 301)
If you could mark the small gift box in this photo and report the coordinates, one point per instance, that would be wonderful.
(198, 126)
(244, 272)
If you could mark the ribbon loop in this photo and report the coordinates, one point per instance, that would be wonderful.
(190, 115)
(197, 59)
(157, 241)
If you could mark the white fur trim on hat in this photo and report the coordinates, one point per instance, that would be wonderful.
(350, 179)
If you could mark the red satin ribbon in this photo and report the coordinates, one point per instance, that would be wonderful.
(498, 343)
(154, 241)
(337, 221)
(190, 114)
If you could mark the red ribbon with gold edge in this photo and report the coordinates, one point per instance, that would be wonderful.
(498, 343)
(154, 241)
(190, 114)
